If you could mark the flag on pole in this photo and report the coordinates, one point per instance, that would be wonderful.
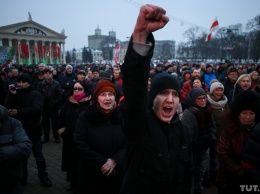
(7, 56)
(116, 55)
(213, 28)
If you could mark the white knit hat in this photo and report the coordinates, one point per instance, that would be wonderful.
(215, 85)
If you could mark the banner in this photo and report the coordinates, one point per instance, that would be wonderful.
(117, 53)
(42, 54)
(55, 54)
(7, 56)
(23, 54)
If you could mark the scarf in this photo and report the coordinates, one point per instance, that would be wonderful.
(215, 104)
(78, 97)
(102, 111)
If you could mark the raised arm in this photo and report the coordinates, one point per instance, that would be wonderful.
(151, 18)
(136, 67)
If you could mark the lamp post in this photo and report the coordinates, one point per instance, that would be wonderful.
(228, 46)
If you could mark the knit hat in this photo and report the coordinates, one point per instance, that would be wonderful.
(215, 85)
(47, 70)
(104, 86)
(95, 70)
(213, 80)
(85, 85)
(105, 75)
(232, 69)
(246, 100)
(161, 82)
(69, 67)
(24, 78)
(82, 72)
(196, 92)
(208, 66)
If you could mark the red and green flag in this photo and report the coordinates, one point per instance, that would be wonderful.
(7, 56)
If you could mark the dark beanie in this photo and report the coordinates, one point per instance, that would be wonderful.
(246, 100)
(232, 69)
(24, 78)
(196, 92)
(162, 81)
(105, 75)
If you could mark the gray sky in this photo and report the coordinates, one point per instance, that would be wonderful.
(80, 18)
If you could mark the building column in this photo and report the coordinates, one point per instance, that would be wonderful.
(29, 51)
(50, 52)
(60, 57)
(36, 52)
(44, 53)
(10, 42)
(1, 43)
(19, 51)
(63, 51)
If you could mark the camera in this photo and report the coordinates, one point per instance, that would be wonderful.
(15, 88)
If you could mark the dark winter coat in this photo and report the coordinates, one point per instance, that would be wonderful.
(228, 86)
(158, 154)
(219, 107)
(98, 138)
(15, 147)
(29, 107)
(201, 136)
(230, 149)
(52, 94)
(68, 116)
(251, 155)
(66, 82)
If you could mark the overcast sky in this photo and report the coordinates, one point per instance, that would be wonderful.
(80, 18)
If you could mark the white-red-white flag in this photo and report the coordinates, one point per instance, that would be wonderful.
(213, 28)
(116, 55)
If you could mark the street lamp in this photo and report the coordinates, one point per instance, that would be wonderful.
(229, 47)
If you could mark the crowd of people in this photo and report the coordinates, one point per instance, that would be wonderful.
(137, 128)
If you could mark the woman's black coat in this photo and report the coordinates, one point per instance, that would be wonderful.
(98, 138)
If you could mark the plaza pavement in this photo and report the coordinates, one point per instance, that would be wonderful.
(52, 154)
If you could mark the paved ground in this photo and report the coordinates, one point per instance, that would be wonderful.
(52, 153)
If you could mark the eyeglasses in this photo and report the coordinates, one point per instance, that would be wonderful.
(78, 89)
(201, 98)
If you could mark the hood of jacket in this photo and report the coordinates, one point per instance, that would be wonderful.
(4, 113)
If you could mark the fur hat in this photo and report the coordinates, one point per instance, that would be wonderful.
(246, 100)
(104, 86)
(69, 67)
(215, 85)
(196, 92)
(161, 82)
(24, 78)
